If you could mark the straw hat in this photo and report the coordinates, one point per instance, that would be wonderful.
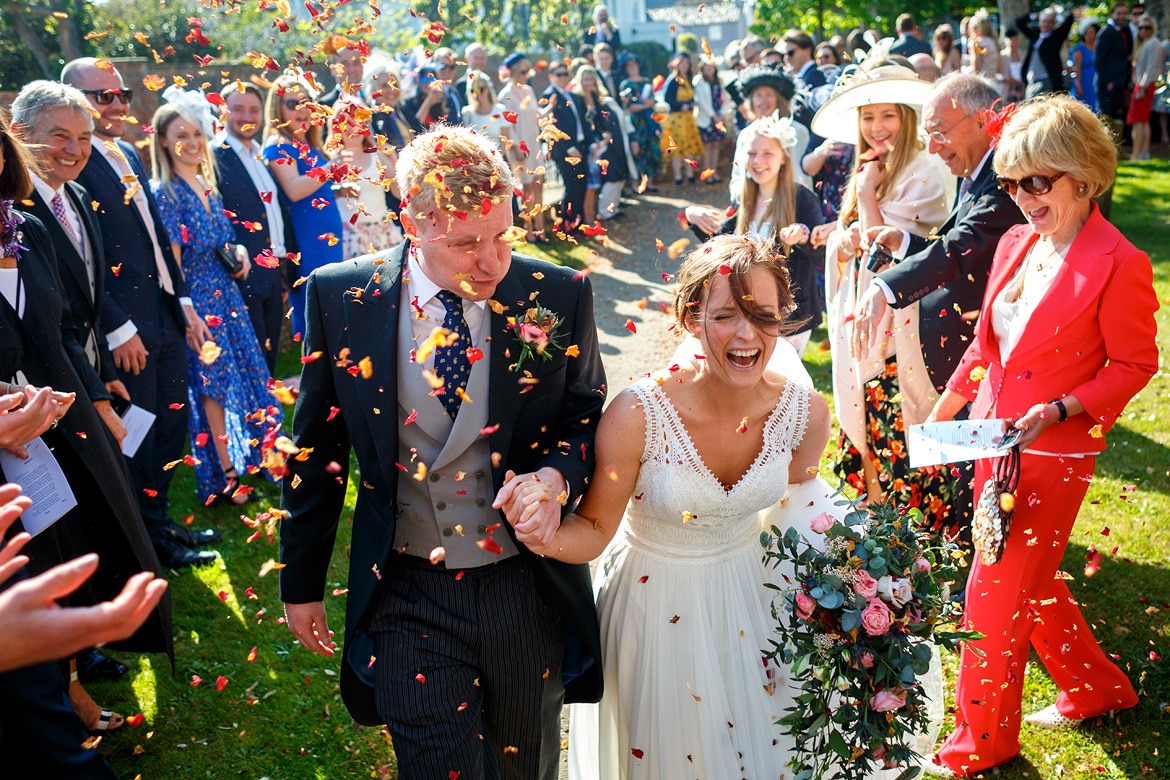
(837, 118)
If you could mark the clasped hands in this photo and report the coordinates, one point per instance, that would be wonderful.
(871, 305)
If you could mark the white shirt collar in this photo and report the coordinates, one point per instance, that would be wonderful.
(979, 168)
(47, 191)
(421, 284)
(240, 147)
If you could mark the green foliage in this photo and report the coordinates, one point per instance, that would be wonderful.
(688, 42)
(37, 36)
(654, 53)
(822, 19)
(504, 26)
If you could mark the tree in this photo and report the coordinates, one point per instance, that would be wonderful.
(49, 30)
(822, 18)
(507, 25)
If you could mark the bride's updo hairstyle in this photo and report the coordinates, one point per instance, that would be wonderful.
(733, 256)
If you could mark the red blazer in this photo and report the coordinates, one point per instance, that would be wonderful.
(1093, 336)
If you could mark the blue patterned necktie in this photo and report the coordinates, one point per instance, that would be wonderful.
(451, 363)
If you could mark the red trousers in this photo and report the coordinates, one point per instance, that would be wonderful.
(1019, 601)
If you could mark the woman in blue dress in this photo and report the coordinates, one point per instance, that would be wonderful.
(1084, 87)
(293, 148)
(231, 408)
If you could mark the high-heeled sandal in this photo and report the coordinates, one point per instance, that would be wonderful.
(234, 491)
(107, 720)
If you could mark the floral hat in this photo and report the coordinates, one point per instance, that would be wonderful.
(837, 118)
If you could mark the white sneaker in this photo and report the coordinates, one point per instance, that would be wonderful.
(931, 767)
(1050, 718)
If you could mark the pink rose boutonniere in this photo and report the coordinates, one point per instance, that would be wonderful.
(536, 333)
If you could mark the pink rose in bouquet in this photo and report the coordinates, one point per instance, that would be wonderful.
(875, 618)
(866, 660)
(922, 565)
(805, 605)
(887, 701)
(822, 523)
(865, 585)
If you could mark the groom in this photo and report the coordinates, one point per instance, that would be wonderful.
(459, 639)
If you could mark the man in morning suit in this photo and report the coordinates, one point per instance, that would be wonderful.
(568, 150)
(1043, 67)
(949, 273)
(146, 315)
(54, 121)
(249, 193)
(461, 640)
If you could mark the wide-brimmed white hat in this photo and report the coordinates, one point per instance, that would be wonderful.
(837, 118)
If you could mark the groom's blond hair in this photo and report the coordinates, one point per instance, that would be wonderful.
(454, 170)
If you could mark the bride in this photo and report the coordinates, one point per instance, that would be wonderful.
(686, 461)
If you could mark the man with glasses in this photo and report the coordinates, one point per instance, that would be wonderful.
(797, 48)
(569, 148)
(947, 275)
(147, 314)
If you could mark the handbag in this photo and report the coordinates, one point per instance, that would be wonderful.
(995, 507)
(226, 255)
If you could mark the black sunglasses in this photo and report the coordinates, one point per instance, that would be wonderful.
(1145, 27)
(292, 104)
(558, 74)
(790, 53)
(1033, 185)
(103, 97)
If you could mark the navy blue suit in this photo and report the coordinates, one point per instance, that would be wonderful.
(263, 289)
(573, 203)
(133, 293)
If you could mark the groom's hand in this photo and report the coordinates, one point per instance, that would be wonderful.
(532, 504)
(307, 622)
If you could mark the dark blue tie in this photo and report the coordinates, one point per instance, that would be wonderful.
(451, 363)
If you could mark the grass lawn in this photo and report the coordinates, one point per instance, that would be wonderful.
(244, 700)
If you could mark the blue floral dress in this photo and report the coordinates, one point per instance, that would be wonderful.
(238, 378)
(316, 219)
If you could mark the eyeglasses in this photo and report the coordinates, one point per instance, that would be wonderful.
(1033, 185)
(560, 74)
(1145, 27)
(292, 104)
(940, 136)
(790, 53)
(104, 97)
(445, 66)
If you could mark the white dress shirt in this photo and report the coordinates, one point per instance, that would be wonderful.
(249, 154)
(422, 292)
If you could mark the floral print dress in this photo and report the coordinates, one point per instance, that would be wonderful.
(238, 378)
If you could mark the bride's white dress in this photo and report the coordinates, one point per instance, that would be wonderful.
(685, 616)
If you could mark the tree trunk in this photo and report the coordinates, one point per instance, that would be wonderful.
(1009, 11)
(28, 35)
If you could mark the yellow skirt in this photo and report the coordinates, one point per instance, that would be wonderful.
(680, 136)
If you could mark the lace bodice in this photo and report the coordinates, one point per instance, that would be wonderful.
(680, 510)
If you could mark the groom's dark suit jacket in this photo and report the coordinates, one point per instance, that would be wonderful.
(948, 273)
(354, 306)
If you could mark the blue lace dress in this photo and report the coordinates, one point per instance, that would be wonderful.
(238, 378)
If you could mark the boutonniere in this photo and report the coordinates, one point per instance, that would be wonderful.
(536, 333)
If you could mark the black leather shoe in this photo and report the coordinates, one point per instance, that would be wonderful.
(192, 537)
(93, 666)
(175, 556)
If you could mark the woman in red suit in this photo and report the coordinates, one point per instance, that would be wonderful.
(1065, 338)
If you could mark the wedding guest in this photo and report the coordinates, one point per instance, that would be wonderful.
(798, 59)
(775, 209)
(1111, 60)
(147, 315)
(1043, 63)
(294, 146)
(1084, 72)
(769, 92)
(1149, 65)
(484, 112)
(984, 50)
(680, 137)
(602, 30)
(945, 52)
(227, 382)
(435, 101)
(384, 86)
(261, 224)
(367, 179)
(709, 100)
(1065, 338)
(909, 40)
(1012, 64)
(526, 154)
(637, 95)
(570, 144)
(607, 70)
(475, 56)
(444, 62)
(896, 183)
(38, 347)
(345, 63)
(611, 133)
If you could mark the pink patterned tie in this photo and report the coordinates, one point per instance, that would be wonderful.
(58, 206)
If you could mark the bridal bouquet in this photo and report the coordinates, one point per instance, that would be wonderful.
(856, 617)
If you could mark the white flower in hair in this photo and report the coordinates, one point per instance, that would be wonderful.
(192, 105)
(778, 129)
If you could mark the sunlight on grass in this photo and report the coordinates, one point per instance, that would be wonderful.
(145, 686)
(219, 582)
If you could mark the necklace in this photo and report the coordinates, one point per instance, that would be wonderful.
(10, 233)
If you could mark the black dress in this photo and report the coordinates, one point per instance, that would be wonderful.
(106, 519)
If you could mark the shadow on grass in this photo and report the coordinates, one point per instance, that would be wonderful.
(1134, 456)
